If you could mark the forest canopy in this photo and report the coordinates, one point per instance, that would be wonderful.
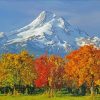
(78, 72)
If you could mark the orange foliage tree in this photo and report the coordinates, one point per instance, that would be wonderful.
(83, 66)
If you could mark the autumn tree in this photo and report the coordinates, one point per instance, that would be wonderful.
(57, 71)
(50, 72)
(3, 74)
(83, 67)
(19, 69)
(43, 69)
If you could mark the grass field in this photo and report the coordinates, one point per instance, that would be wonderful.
(41, 97)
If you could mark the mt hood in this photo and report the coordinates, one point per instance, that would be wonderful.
(47, 33)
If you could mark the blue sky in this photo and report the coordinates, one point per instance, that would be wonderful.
(82, 13)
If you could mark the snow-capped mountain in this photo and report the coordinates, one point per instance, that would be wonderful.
(47, 33)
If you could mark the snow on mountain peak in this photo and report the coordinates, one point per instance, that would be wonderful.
(48, 32)
(1, 34)
(46, 14)
(45, 23)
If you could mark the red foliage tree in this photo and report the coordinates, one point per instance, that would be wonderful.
(43, 70)
(50, 71)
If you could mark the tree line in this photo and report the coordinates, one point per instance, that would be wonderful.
(77, 73)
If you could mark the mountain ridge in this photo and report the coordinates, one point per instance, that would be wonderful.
(47, 33)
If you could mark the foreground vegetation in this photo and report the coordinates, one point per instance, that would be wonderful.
(78, 73)
(42, 97)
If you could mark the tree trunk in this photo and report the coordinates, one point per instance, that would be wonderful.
(14, 91)
(92, 88)
(51, 93)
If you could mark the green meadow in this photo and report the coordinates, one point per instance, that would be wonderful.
(42, 97)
